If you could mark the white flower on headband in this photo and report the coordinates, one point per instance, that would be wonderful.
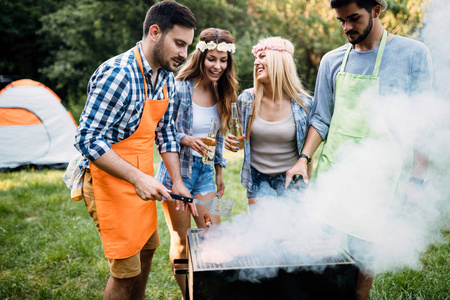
(211, 45)
(201, 46)
(224, 47)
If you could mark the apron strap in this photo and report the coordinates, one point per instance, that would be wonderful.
(379, 55)
(344, 62)
(137, 55)
(165, 91)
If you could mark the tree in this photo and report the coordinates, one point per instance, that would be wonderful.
(61, 42)
(313, 29)
(21, 47)
(83, 34)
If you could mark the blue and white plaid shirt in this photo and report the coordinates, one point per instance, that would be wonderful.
(244, 104)
(184, 118)
(114, 106)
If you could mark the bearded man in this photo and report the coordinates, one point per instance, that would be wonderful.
(129, 106)
(375, 63)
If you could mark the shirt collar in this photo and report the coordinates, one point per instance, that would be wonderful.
(147, 69)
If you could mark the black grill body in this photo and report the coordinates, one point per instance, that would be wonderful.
(325, 279)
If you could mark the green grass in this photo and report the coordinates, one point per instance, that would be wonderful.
(50, 248)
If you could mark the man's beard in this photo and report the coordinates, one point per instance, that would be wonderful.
(161, 58)
(363, 36)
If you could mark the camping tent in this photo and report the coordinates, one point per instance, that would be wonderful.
(35, 128)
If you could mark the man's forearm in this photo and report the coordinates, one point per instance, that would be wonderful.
(172, 163)
(312, 142)
(420, 165)
(113, 164)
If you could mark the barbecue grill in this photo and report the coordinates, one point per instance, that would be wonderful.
(332, 277)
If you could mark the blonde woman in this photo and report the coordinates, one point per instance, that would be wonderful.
(206, 86)
(274, 116)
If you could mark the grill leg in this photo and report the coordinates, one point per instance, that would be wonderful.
(186, 292)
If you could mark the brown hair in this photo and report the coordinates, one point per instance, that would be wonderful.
(167, 14)
(225, 90)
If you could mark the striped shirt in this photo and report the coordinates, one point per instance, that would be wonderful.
(183, 114)
(114, 106)
(244, 104)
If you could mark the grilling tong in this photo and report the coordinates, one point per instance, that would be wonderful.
(216, 206)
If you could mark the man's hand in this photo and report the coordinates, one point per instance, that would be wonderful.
(180, 189)
(149, 188)
(172, 162)
(301, 168)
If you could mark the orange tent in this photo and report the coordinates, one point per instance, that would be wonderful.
(35, 128)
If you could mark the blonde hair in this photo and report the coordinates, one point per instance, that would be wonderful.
(225, 90)
(282, 74)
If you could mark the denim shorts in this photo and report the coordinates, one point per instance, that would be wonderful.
(268, 186)
(201, 180)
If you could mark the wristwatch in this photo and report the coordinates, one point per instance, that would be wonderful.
(308, 159)
(419, 181)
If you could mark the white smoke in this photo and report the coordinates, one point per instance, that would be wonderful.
(360, 195)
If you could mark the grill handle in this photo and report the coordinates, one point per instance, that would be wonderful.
(180, 270)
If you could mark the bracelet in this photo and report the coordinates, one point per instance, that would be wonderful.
(419, 181)
(308, 159)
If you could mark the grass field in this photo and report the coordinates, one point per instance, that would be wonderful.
(50, 248)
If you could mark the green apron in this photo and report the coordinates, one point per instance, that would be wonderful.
(354, 94)
(349, 121)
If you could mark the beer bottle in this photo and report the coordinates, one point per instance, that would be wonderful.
(209, 158)
(236, 127)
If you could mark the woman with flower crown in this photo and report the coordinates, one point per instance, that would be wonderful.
(206, 86)
(274, 115)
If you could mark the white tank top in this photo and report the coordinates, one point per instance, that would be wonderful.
(202, 120)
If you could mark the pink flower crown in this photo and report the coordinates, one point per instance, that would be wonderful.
(257, 48)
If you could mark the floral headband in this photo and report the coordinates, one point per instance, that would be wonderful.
(224, 47)
(257, 48)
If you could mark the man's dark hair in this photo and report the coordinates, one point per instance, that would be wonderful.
(166, 14)
(366, 4)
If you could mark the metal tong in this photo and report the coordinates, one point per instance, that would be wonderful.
(301, 185)
(216, 206)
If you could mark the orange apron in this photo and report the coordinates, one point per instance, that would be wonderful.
(126, 221)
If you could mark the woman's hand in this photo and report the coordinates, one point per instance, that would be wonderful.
(197, 143)
(219, 181)
(234, 143)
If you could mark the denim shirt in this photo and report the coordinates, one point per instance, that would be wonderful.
(184, 118)
(244, 104)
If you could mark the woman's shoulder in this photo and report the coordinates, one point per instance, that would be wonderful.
(183, 84)
(307, 100)
(247, 95)
(183, 90)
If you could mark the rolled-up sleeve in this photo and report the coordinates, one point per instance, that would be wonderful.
(323, 104)
(219, 159)
(166, 137)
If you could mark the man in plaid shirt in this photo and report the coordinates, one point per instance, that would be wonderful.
(130, 105)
